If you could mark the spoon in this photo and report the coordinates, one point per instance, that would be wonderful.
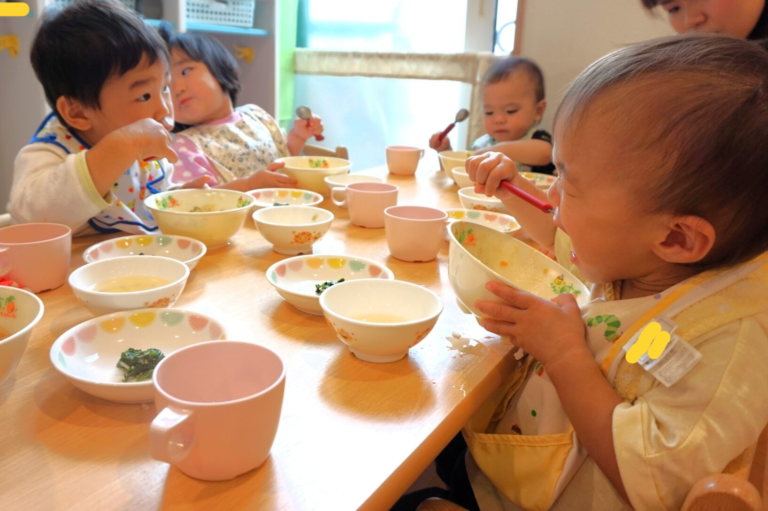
(305, 113)
(530, 199)
(460, 116)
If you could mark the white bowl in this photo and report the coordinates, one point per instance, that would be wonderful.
(453, 159)
(310, 177)
(187, 250)
(85, 278)
(295, 278)
(479, 254)
(267, 197)
(542, 181)
(472, 200)
(174, 213)
(379, 320)
(462, 178)
(343, 180)
(497, 221)
(88, 353)
(293, 231)
(20, 311)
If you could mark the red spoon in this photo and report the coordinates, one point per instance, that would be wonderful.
(305, 113)
(460, 116)
(530, 199)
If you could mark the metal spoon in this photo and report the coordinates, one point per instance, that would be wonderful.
(460, 116)
(305, 113)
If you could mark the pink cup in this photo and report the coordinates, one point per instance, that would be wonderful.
(38, 254)
(414, 233)
(366, 202)
(403, 160)
(220, 405)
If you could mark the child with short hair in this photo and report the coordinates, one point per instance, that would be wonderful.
(747, 19)
(235, 147)
(513, 101)
(647, 143)
(106, 146)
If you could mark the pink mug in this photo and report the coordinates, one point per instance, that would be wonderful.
(366, 202)
(220, 404)
(403, 160)
(38, 254)
(414, 233)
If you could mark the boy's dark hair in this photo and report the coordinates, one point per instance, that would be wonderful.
(210, 52)
(77, 48)
(503, 68)
(696, 107)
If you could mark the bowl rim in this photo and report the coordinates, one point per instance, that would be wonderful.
(329, 179)
(323, 300)
(87, 251)
(63, 337)
(31, 324)
(317, 198)
(14, 227)
(444, 154)
(384, 268)
(465, 210)
(388, 212)
(80, 289)
(460, 171)
(150, 201)
(464, 192)
(287, 159)
(274, 224)
(504, 280)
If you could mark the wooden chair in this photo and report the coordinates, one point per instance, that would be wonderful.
(5, 220)
(720, 492)
(316, 150)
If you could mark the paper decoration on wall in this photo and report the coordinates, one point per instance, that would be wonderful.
(243, 53)
(10, 43)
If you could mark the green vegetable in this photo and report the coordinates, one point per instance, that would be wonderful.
(139, 364)
(280, 204)
(319, 288)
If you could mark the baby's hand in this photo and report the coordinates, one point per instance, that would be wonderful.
(439, 145)
(147, 139)
(268, 178)
(198, 182)
(305, 130)
(550, 331)
(488, 170)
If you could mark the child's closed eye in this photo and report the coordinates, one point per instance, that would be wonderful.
(510, 112)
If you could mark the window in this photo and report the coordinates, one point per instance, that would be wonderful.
(506, 26)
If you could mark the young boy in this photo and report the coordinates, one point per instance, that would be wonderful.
(513, 99)
(106, 146)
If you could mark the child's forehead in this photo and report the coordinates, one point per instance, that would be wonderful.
(179, 56)
(515, 88)
(146, 71)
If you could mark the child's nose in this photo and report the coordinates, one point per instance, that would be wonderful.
(164, 114)
(695, 17)
(553, 194)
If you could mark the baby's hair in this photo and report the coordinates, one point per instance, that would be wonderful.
(650, 4)
(504, 68)
(77, 48)
(210, 52)
(696, 107)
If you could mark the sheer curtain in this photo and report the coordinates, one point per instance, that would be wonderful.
(368, 114)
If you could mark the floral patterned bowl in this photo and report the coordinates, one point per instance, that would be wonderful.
(310, 171)
(88, 353)
(380, 320)
(473, 200)
(293, 231)
(542, 181)
(168, 275)
(480, 254)
(266, 197)
(186, 250)
(20, 311)
(497, 221)
(295, 278)
(212, 216)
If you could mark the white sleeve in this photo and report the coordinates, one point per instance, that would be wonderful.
(52, 186)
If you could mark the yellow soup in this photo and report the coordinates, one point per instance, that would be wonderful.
(130, 284)
(4, 334)
(380, 318)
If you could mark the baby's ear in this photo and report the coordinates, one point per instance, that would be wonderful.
(73, 113)
(689, 239)
(541, 107)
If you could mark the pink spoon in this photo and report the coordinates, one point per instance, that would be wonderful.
(530, 199)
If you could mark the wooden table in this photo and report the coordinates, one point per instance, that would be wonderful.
(352, 434)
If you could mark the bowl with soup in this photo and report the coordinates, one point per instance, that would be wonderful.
(127, 283)
(212, 216)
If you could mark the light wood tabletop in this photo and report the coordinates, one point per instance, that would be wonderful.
(352, 434)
